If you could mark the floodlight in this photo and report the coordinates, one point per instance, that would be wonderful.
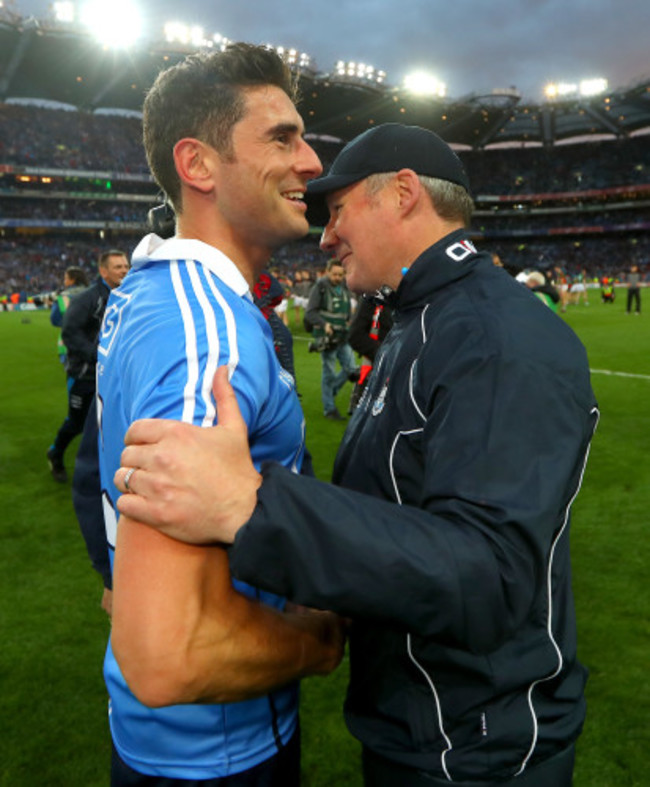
(592, 87)
(567, 88)
(560, 89)
(359, 72)
(117, 23)
(196, 36)
(221, 41)
(550, 90)
(424, 84)
(176, 32)
(64, 12)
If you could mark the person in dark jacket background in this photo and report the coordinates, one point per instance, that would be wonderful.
(81, 323)
(445, 533)
(75, 282)
(370, 323)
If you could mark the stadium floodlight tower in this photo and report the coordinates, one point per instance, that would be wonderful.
(117, 23)
(586, 88)
(422, 83)
(64, 12)
(593, 87)
(357, 73)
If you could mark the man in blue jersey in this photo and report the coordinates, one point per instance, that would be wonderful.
(201, 670)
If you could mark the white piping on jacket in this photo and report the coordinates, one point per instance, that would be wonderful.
(409, 647)
(549, 622)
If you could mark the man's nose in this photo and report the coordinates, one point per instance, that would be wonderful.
(308, 162)
(329, 237)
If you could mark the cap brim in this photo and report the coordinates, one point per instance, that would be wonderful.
(317, 190)
(317, 212)
(331, 183)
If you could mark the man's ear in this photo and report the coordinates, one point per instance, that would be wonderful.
(408, 190)
(194, 163)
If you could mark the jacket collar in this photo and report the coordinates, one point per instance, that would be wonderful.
(448, 260)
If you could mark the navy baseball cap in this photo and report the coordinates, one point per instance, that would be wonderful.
(389, 147)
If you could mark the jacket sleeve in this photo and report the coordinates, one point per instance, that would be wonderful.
(503, 455)
(359, 335)
(87, 499)
(56, 318)
(76, 319)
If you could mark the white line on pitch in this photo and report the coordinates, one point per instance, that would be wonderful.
(620, 374)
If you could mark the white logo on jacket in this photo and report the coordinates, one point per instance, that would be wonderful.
(458, 251)
(380, 401)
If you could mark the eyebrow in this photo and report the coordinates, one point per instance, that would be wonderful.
(284, 128)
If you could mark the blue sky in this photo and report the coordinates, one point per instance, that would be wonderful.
(471, 45)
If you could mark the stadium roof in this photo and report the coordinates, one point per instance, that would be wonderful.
(57, 63)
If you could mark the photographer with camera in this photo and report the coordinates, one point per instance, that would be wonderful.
(328, 312)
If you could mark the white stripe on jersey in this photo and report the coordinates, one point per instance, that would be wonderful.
(191, 355)
(212, 336)
(213, 343)
(231, 328)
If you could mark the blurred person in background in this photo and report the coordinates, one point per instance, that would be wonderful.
(371, 321)
(74, 282)
(81, 323)
(634, 290)
(543, 289)
(328, 312)
(301, 288)
(579, 288)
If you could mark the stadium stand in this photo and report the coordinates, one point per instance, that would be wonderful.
(75, 180)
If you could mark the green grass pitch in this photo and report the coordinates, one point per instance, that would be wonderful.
(53, 717)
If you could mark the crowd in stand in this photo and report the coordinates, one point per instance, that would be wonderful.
(599, 256)
(59, 139)
(564, 168)
(74, 209)
(37, 137)
(34, 264)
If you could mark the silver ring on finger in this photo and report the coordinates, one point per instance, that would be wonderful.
(127, 478)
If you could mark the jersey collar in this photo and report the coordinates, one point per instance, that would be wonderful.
(152, 247)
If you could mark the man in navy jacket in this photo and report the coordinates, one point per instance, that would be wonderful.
(445, 533)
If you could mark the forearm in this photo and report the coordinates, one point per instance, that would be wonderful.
(182, 634)
(361, 557)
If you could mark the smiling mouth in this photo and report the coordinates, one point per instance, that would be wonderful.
(298, 197)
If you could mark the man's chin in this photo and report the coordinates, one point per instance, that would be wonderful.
(298, 228)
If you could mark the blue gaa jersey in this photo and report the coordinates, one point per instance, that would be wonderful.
(183, 310)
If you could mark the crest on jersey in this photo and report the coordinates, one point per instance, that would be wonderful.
(287, 378)
(111, 322)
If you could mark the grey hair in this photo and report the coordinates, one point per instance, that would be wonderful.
(450, 201)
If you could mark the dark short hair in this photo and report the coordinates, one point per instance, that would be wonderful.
(203, 97)
(333, 263)
(78, 275)
(103, 257)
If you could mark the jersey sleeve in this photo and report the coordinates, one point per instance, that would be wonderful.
(173, 354)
